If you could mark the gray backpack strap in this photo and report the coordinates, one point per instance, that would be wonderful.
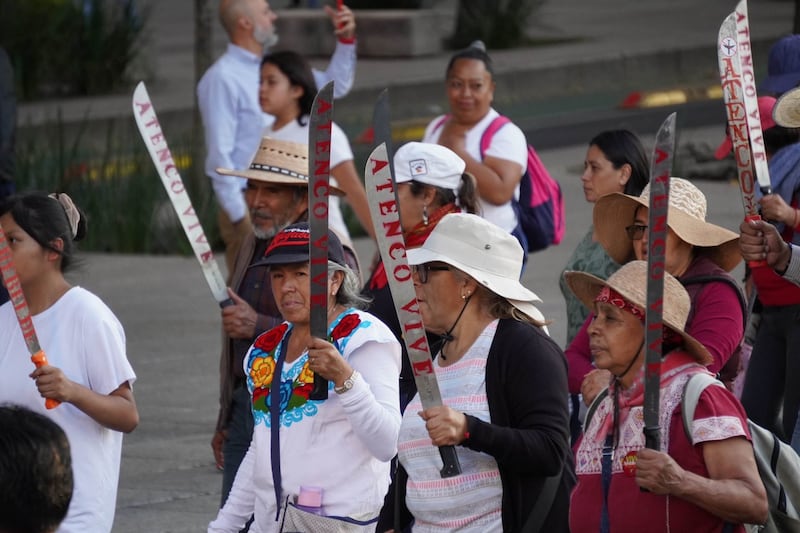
(691, 395)
(593, 407)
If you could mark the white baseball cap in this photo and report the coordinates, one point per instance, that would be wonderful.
(432, 164)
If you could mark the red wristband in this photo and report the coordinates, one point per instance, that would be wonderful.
(347, 40)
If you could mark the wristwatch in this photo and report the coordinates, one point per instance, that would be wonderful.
(347, 385)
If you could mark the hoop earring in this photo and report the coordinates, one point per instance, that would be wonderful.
(425, 215)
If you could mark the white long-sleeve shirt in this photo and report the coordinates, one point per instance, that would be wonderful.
(342, 445)
(227, 95)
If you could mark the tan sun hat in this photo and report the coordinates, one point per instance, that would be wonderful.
(686, 217)
(630, 281)
(787, 109)
(482, 250)
(281, 162)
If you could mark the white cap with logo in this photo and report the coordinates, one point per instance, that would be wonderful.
(431, 164)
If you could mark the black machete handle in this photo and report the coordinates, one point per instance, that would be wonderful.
(320, 389)
(450, 459)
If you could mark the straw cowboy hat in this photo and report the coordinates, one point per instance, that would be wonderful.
(686, 217)
(630, 281)
(482, 250)
(787, 109)
(280, 162)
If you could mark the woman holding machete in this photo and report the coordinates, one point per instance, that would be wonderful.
(341, 445)
(88, 373)
(698, 253)
(700, 485)
(503, 382)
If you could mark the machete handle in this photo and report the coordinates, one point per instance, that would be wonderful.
(450, 460)
(39, 360)
(226, 303)
(652, 438)
(652, 441)
(762, 262)
(320, 389)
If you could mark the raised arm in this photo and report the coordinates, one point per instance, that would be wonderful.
(342, 67)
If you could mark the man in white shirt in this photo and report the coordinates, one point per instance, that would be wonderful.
(228, 99)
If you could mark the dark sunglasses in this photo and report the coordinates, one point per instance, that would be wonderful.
(422, 270)
(635, 231)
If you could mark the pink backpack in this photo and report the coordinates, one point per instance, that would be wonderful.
(540, 208)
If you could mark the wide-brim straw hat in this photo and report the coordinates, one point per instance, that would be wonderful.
(485, 252)
(281, 162)
(630, 281)
(787, 109)
(686, 217)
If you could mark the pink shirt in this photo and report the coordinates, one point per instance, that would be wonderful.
(719, 416)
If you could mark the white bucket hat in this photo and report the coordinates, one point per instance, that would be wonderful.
(482, 250)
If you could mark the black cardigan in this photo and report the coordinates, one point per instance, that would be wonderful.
(526, 387)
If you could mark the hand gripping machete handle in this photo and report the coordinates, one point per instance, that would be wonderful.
(39, 360)
(760, 262)
(20, 305)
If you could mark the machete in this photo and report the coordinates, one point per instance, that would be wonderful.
(382, 199)
(660, 169)
(319, 157)
(153, 137)
(17, 297)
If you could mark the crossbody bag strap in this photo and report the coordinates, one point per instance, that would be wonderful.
(275, 421)
(608, 453)
(543, 505)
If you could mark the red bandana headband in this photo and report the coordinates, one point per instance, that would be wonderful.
(609, 295)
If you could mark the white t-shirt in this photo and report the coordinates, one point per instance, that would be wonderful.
(82, 337)
(471, 501)
(343, 444)
(507, 143)
(340, 152)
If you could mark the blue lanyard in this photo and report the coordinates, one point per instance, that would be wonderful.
(608, 453)
(275, 421)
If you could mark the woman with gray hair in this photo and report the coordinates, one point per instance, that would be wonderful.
(331, 453)
(503, 383)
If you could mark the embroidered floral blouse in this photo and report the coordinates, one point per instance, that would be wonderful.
(342, 444)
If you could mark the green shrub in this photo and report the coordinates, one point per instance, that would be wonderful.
(498, 23)
(70, 47)
(115, 183)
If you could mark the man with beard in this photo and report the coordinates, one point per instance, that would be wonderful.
(227, 96)
(276, 196)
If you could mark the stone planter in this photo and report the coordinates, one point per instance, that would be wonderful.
(380, 32)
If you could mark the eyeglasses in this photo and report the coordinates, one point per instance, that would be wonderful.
(422, 270)
(635, 231)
